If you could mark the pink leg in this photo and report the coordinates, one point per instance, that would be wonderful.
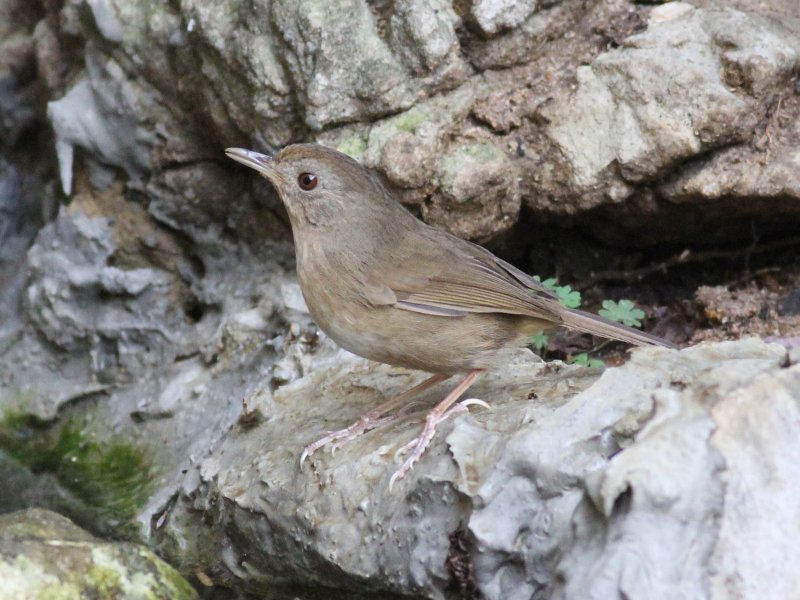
(371, 419)
(440, 412)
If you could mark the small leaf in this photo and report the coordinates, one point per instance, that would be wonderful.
(540, 340)
(550, 283)
(622, 312)
(568, 297)
(583, 360)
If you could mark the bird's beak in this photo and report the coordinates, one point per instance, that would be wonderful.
(260, 162)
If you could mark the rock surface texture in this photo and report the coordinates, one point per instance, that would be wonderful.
(159, 374)
(45, 555)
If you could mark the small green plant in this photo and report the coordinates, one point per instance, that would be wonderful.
(583, 360)
(622, 312)
(540, 341)
(566, 295)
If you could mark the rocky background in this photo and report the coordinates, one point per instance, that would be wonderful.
(159, 375)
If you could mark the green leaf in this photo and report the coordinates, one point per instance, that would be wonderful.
(550, 283)
(622, 312)
(583, 360)
(568, 297)
(540, 340)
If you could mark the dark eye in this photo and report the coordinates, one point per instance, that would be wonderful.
(307, 181)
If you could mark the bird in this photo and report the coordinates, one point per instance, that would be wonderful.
(391, 288)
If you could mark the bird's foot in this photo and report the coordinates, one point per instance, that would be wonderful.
(380, 415)
(337, 439)
(419, 445)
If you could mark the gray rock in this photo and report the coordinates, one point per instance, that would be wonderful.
(423, 35)
(694, 81)
(322, 39)
(105, 114)
(495, 15)
(567, 492)
(22, 200)
(285, 71)
(528, 41)
(746, 178)
(18, 87)
(476, 175)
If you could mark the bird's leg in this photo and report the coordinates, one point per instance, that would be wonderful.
(371, 419)
(440, 412)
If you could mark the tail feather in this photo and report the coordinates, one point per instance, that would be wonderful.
(597, 325)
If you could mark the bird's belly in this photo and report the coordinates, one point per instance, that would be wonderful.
(430, 343)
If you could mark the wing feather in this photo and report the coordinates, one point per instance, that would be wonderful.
(461, 278)
(439, 274)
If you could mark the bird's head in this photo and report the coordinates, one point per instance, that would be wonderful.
(319, 186)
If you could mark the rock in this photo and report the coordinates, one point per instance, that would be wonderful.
(481, 181)
(715, 67)
(424, 35)
(46, 555)
(759, 494)
(495, 15)
(19, 88)
(528, 41)
(277, 75)
(373, 86)
(23, 202)
(595, 456)
(748, 178)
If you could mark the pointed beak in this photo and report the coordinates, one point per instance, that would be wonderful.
(260, 162)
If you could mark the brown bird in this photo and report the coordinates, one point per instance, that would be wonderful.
(388, 287)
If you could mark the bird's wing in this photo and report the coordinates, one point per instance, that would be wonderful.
(442, 275)
(446, 276)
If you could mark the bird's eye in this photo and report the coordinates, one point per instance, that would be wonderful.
(307, 181)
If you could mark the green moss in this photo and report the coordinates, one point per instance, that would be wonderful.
(14, 424)
(409, 120)
(481, 152)
(105, 582)
(175, 585)
(135, 572)
(39, 524)
(354, 147)
(113, 477)
(469, 156)
(23, 578)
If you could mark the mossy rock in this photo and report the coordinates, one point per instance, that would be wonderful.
(44, 555)
(115, 477)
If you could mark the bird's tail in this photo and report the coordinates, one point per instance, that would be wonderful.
(597, 325)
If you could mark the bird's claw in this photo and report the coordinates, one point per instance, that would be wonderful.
(474, 402)
(405, 448)
(344, 436)
(401, 472)
(421, 443)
